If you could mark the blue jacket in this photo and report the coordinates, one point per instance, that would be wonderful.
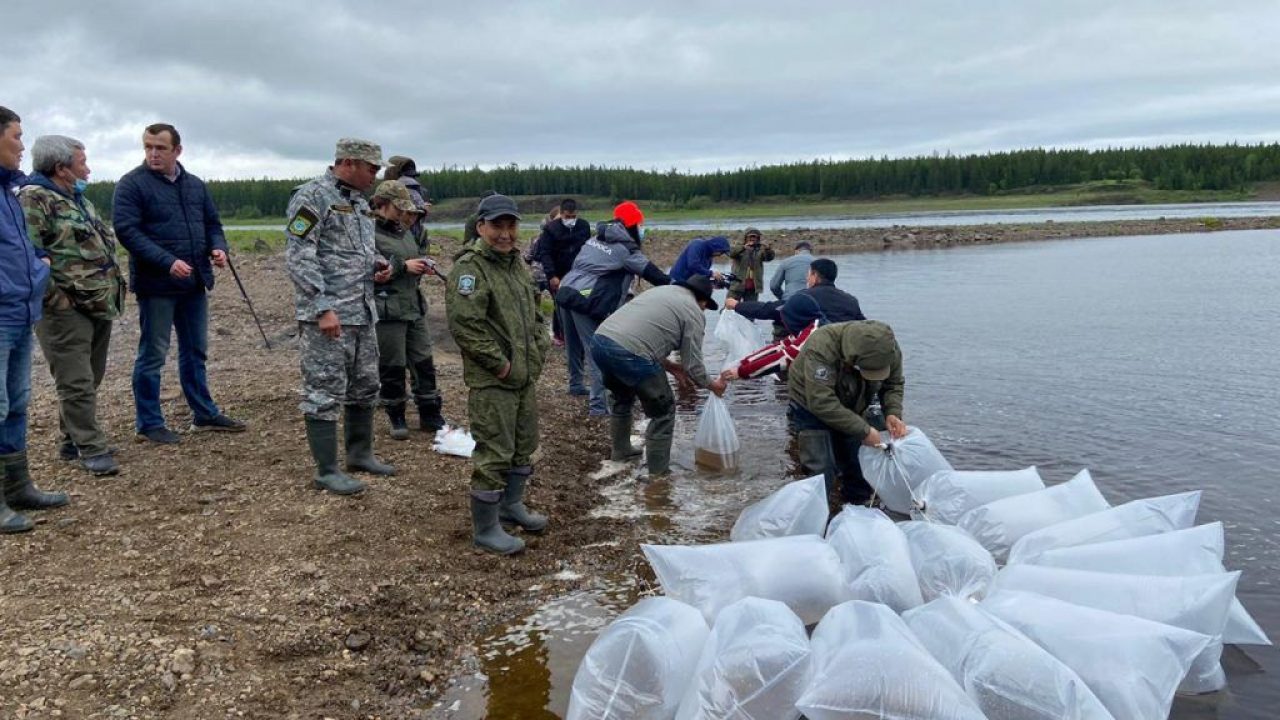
(824, 302)
(697, 257)
(22, 275)
(158, 222)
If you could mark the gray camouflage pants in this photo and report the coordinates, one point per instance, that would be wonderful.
(337, 372)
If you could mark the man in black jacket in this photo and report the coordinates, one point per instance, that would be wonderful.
(165, 217)
(558, 245)
(821, 300)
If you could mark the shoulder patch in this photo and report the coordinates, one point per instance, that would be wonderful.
(821, 373)
(302, 222)
(466, 284)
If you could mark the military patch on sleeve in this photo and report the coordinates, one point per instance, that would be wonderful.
(466, 284)
(821, 373)
(302, 222)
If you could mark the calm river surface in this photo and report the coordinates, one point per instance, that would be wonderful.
(1153, 361)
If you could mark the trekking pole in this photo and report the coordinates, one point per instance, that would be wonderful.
(245, 294)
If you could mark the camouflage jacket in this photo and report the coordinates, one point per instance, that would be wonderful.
(824, 380)
(330, 252)
(494, 318)
(83, 271)
(748, 262)
(399, 297)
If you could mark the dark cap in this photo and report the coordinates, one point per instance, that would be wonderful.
(751, 231)
(404, 166)
(871, 346)
(700, 286)
(495, 206)
(804, 245)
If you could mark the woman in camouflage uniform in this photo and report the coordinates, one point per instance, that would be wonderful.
(404, 342)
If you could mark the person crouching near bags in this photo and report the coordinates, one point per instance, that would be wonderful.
(404, 342)
(495, 321)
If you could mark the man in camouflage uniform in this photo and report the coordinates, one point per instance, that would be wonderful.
(333, 264)
(84, 296)
(495, 321)
(749, 257)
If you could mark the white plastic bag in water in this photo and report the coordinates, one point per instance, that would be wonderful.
(998, 525)
(797, 508)
(895, 473)
(738, 336)
(948, 561)
(1196, 602)
(1133, 665)
(948, 494)
(1132, 519)
(867, 664)
(1006, 674)
(715, 444)
(1194, 551)
(454, 441)
(801, 571)
(640, 665)
(874, 557)
(754, 665)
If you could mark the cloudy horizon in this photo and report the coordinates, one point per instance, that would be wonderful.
(264, 90)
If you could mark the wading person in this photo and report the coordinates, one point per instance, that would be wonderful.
(404, 342)
(697, 256)
(494, 320)
(831, 383)
(85, 294)
(631, 349)
(24, 270)
(749, 257)
(333, 261)
(164, 216)
(558, 245)
(791, 276)
(820, 300)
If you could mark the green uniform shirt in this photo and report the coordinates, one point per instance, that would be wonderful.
(824, 381)
(399, 298)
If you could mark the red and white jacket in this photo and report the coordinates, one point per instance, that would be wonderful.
(776, 356)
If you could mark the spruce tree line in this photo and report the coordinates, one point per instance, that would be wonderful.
(1178, 167)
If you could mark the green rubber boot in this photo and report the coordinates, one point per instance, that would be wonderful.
(322, 438)
(399, 426)
(513, 511)
(358, 430)
(488, 534)
(10, 521)
(620, 434)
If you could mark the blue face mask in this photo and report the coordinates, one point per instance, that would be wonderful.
(81, 185)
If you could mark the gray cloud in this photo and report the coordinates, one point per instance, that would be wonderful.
(265, 88)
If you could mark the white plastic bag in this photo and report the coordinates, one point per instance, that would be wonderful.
(998, 525)
(754, 665)
(640, 665)
(895, 473)
(948, 494)
(1006, 674)
(1148, 516)
(454, 441)
(875, 558)
(1195, 602)
(738, 336)
(797, 508)
(867, 664)
(1194, 551)
(715, 444)
(948, 561)
(1133, 665)
(801, 571)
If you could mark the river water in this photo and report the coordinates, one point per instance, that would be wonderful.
(1150, 360)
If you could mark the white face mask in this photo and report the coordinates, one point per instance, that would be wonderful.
(640, 232)
(569, 222)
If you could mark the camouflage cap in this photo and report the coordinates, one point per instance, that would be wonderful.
(751, 231)
(355, 149)
(398, 195)
(872, 347)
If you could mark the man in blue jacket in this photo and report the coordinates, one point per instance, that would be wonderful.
(821, 301)
(165, 217)
(696, 259)
(24, 271)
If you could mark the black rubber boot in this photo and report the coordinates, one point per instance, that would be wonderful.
(487, 532)
(513, 509)
(358, 430)
(20, 493)
(429, 417)
(10, 521)
(322, 438)
(620, 435)
(68, 451)
(399, 427)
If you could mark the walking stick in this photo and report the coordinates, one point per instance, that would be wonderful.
(247, 301)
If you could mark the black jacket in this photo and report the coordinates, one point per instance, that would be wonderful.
(824, 302)
(559, 245)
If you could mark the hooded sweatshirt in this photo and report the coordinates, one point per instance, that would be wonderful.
(603, 273)
(697, 257)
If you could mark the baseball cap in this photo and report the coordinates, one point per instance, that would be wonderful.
(397, 195)
(405, 166)
(357, 149)
(495, 206)
(751, 231)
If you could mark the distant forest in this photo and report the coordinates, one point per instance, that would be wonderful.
(1178, 167)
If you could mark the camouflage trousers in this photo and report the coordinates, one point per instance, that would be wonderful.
(406, 345)
(504, 424)
(337, 371)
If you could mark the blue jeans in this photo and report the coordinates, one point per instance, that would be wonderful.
(583, 327)
(621, 363)
(15, 386)
(158, 317)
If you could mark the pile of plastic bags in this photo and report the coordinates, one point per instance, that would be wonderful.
(1101, 612)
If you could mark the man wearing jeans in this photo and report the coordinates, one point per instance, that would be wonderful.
(165, 217)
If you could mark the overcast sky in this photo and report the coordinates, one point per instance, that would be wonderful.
(264, 88)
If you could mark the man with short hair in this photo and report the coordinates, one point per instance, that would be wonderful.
(86, 293)
(820, 300)
(165, 217)
(749, 257)
(557, 247)
(24, 270)
(332, 258)
(496, 323)
(791, 275)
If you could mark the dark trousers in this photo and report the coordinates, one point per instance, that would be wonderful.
(832, 454)
(75, 347)
(629, 378)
